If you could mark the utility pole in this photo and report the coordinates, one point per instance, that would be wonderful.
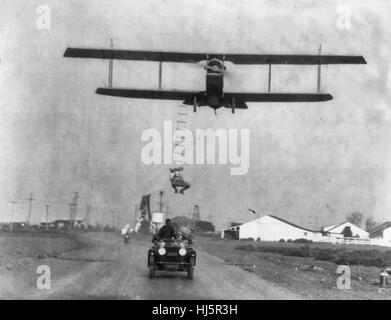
(47, 216)
(87, 217)
(161, 201)
(113, 219)
(12, 215)
(71, 205)
(30, 207)
(76, 196)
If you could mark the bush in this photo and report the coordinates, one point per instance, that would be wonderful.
(326, 255)
(302, 252)
(281, 240)
(302, 240)
(246, 247)
(289, 241)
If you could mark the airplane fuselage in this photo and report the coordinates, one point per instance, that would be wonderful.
(214, 83)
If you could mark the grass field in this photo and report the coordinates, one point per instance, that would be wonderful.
(307, 269)
(338, 254)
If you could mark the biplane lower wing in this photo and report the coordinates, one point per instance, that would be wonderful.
(278, 97)
(147, 94)
(188, 96)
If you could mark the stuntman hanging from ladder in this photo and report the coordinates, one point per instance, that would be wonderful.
(176, 177)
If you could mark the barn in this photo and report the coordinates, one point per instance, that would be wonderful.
(270, 228)
(336, 230)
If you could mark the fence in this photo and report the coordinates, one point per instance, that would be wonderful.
(342, 240)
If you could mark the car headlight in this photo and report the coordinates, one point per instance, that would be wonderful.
(162, 251)
(182, 252)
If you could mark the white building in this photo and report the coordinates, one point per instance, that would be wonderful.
(271, 228)
(336, 230)
(382, 232)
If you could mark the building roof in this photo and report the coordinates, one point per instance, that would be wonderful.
(290, 223)
(327, 228)
(338, 225)
(383, 226)
(277, 218)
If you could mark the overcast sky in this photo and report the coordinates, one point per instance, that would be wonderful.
(313, 160)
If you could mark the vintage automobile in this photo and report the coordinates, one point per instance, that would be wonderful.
(171, 255)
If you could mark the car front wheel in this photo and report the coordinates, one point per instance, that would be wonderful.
(190, 272)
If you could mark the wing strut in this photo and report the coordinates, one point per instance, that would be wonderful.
(111, 61)
(270, 77)
(319, 70)
(160, 74)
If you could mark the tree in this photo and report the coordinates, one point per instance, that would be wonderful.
(205, 226)
(347, 232)
(355, 218)
(370, 224)
(235, 224)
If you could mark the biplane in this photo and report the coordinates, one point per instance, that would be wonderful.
(214, 95)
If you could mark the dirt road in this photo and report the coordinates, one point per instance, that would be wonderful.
(106, 268)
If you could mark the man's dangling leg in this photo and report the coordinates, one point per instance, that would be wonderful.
(174, 187)
(185, 187)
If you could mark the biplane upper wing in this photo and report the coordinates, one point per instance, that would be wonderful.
(293, 59)
(134, 55)
(147, 94)
(196, 57)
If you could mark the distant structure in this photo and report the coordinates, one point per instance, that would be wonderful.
(382, 232)
(144, 216)
(269, 228)
(336, 230)
(196, 213)
(273, 228)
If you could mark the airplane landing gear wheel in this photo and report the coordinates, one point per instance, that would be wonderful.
(195, 104)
